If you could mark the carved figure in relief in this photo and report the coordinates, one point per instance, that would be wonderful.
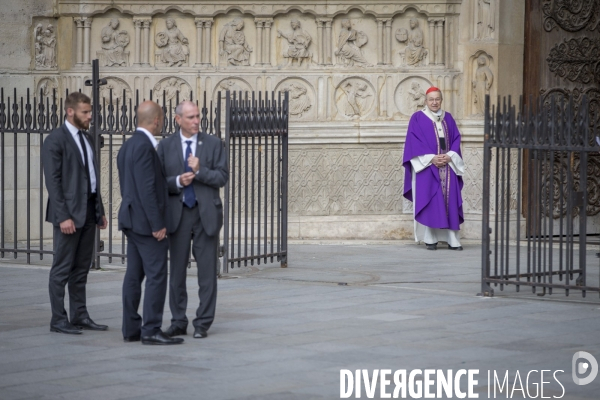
(357, 99)
(174, 44)
(486, 19)
(45, 47)
(348, 50)
(46, 87)
(170, 87)
(299, 40)
(415, 53)
(232, 43)
(230, 85)
(299, 103)
(114, 43)
(416, 95)
(482, 83)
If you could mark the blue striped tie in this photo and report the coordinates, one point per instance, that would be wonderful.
(189, 196)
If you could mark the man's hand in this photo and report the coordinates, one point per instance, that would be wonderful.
(441, 160)
(194, 163)
(67, 227)
(103, 224)
(186, 178)
(160, 235)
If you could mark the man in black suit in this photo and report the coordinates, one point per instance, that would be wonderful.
(195, 164)
(74, 208)
(142, 218)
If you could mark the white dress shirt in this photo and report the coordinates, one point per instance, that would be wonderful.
(193, 146)
(90, 154)
(150, 136)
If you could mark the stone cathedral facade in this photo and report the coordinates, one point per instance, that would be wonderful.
(355, 70)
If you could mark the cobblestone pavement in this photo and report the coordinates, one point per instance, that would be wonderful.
(286, 333)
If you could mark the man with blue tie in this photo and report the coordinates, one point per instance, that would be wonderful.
(196, 167)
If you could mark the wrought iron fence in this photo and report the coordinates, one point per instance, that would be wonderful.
(25, 122)
(536, 201)
(256, 130)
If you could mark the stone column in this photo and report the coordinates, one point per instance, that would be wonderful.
(328, 41)
(431, 40)
(267, 45)
(259, 40)
(137, 52)
(146, 22)
(320, 42)
(87, 27)
(79, 42)
(380, 41)
(207, 41)
(199, 54)
(388, 37)
(439, 42)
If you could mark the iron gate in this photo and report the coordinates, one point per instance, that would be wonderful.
(256, 130)
(540, 166)
(26, 121)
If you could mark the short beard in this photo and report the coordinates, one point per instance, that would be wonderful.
(80, 123)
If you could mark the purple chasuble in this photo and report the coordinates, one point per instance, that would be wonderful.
(439, 203)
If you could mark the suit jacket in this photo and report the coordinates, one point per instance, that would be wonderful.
(143, 186)
(66, 179)
(213, 174)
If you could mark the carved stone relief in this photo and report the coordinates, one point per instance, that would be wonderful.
(233, 47)
(299, 41)
(45, 47)
(46, 87)
(415, 53)
(169, 88)
(571, 15)
(301, 97)
(114, 42)
(349, 43)
(116, 87)
(482, 82)
(576, 60)
(346, 181)
(486, 19)
(232, 84)
(354, 98)
(175, 50)
(410, 95)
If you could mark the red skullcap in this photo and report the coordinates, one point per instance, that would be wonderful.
(432, 89)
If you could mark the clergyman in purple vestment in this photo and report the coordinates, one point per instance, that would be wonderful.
(433, 167)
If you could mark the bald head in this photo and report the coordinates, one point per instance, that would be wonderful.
(150, 116)
(187, 117)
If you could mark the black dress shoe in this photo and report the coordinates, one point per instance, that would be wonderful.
(134, 338)
(175, 331)
(431, 246)
(65, 327)
(459, 248)
(200, 333)
(160, 338)
(89, 325)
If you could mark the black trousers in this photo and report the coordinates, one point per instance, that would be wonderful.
(70, 266)
(146, 258)
(205, 253)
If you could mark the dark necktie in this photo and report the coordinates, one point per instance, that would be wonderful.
(85, 162)
(189, 196)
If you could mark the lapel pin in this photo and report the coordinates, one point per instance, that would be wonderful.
(199, 142)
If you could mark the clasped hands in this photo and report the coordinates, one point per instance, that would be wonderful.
(441, 160)
(187, 177)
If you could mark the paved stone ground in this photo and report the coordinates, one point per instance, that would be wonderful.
(286, 333)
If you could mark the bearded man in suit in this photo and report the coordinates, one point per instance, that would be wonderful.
(74, 209)
(196, 167)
